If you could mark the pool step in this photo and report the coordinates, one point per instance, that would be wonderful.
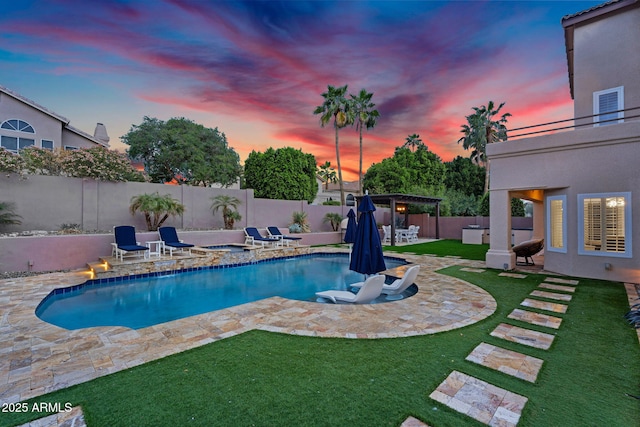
(97, 267)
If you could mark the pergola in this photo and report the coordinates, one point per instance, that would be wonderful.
(398, 202)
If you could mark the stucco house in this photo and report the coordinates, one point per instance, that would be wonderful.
(584, 182)
(24, 123)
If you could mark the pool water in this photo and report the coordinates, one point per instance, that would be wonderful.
(141, 302)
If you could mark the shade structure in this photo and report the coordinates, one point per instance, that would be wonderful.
(366, 256)
(350, 234)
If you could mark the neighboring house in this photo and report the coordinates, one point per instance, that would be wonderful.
(584, 183)
(333, 192)
(24, 123)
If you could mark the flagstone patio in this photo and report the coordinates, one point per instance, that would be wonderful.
(37, 357)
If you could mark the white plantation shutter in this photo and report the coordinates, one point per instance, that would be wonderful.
(605, 102)
(606, 224)
(556, 223)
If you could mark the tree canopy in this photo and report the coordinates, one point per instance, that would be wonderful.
(182, 150)
(465, 176)
(284, 173)
(406, 172)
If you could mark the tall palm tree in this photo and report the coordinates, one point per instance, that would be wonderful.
(483, 129)
(327, 174)
(336, 107)
(413, 142)
(365, 116)
(226, 203)
(156, 208)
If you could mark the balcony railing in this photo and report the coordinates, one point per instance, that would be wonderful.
(635, 114)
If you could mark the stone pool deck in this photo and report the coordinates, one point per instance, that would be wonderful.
(37, 357)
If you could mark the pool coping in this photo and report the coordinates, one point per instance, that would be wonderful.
(37, 357)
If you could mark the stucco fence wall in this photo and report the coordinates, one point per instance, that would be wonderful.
(59, 252)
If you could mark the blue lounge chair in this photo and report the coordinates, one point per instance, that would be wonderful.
(170, 241)
(125, 236)
(253, 236)
(275, 232)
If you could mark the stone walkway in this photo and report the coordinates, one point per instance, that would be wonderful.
(489, 403)
(37, 358)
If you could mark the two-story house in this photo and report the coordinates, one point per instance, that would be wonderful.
(584, 183)
(24, 123)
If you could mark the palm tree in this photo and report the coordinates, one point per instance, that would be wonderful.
(327, 174)
(413, 142)
(336, 107)
(156, 208)
(481, 130)
(365, 116)
(225, 202)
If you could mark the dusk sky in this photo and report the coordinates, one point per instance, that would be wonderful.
(256, 69)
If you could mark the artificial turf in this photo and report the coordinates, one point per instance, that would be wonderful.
(269, 379)
(444, 247)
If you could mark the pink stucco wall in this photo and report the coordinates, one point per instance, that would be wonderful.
(75, 251)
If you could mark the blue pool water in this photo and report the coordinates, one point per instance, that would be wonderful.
(140, 302)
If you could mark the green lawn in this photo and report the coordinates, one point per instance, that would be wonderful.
(269, 379)
(443, 248)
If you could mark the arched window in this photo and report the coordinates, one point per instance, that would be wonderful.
(16, 143)
(19, 125)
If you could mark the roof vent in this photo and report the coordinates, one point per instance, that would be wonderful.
(101, 133)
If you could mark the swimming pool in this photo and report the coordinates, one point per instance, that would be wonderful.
(157, 298)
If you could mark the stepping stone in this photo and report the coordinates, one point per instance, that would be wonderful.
(535, 318)
(542, 305)
(480, 400)
(523, 336)
(509, 362)
(472, 270)
(557, 287)
(514, 275)
(551, 295)
(413, 422)
(563, 281)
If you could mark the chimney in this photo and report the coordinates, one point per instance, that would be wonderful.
(101, 133)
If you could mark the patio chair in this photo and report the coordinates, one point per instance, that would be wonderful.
(370, 290)
(528, 249)
(399, 285)
(386, 229)
(125, 236)
(413, 233)
(275, 232)
(170, 241)
(252, 236)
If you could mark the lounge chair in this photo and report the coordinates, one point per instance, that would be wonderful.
(252, 236)
(275, 232)
(125, 236)
(370, 290)
(399, 285)
(170, 241)
(528, 249)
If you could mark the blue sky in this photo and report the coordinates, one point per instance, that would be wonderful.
(256, 69)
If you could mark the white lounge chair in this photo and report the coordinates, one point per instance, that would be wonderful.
(399, 285)
(370, 290)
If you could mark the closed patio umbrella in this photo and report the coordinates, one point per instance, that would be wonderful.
(366, 256)
(350, 234)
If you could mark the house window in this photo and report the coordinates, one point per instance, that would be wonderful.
(47, 144)
(604, 222)
(605, 105)
(557, 224)
(14, 144)
(17, 125)
(70, 147)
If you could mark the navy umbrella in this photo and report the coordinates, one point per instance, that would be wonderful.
(350, 234)
(367, 257)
